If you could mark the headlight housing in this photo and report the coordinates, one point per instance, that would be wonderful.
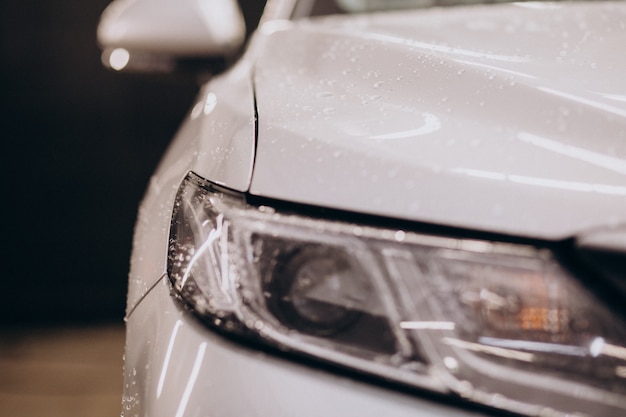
(499, 324)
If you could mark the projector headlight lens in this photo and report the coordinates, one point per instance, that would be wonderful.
(498, 324)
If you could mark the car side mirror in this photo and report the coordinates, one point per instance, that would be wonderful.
(165, 35)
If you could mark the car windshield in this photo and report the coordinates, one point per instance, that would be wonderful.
(322, 7)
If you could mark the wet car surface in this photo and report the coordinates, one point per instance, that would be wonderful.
(410, 211)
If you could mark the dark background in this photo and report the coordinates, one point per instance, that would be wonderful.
(79, 145)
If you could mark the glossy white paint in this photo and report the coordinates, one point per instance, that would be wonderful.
(173, 27)
(213, 377)
(429, 116)
(216, 141)
(508, 118)
(610, 239)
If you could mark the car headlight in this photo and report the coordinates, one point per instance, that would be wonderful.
(499, 324)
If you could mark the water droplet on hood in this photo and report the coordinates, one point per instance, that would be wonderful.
(325, 94)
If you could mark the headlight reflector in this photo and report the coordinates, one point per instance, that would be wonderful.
(499, 324)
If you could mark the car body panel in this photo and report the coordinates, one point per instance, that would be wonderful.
(216, 141)
(611, 239)
(431, 116)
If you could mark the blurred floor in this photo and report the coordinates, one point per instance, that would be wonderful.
(61, 372)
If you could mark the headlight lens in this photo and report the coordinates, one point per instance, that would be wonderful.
(499, 324)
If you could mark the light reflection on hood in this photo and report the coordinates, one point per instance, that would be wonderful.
(498, 118)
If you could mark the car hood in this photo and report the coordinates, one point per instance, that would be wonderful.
(506, 118)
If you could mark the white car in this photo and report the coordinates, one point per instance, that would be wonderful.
(382, 208)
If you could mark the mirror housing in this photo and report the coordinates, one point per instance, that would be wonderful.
(163, 35)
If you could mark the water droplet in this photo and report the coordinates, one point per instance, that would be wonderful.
(325, 94)
(451, 363)
(465, 389)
